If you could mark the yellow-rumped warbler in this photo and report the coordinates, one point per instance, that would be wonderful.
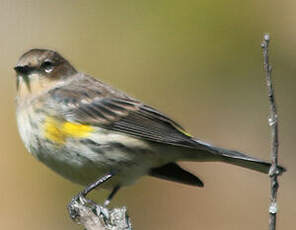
(85, 130)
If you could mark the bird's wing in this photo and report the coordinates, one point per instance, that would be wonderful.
(89, 101)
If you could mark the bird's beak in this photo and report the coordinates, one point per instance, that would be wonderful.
(22, 72)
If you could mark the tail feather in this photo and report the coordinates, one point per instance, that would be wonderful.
(174, 172)
(236, 158)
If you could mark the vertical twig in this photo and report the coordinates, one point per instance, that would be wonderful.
(273, 123)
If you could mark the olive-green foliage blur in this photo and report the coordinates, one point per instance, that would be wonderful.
(197, 61)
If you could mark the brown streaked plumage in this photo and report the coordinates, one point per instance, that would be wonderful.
(111, 131)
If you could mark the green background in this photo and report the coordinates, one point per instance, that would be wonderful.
(197, 61)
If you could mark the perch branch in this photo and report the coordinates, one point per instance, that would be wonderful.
(96, 217)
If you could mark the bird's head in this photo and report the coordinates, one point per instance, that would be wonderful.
(39, 69)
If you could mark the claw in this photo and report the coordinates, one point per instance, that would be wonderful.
(72, 205)
(104, 212)
(80, 199)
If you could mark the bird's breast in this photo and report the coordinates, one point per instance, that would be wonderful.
(28, 125)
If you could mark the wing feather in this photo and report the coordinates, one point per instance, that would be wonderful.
(89, 101)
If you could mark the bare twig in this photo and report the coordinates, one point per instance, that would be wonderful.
(273, 123)
(96, 217)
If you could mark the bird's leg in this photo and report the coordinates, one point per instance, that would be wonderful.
(94, 185)
(110, 197)
(81, 197)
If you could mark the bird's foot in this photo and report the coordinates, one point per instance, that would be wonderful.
(74, 206)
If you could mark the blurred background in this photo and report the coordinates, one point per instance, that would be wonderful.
(197, 61)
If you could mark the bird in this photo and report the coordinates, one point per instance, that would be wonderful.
(98, 136)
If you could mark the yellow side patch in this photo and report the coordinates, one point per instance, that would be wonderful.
(52, 130)
(58, 131)
(76, 130)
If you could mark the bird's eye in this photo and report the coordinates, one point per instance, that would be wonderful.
(47, 66)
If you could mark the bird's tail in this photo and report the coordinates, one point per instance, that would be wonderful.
(207, 152)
